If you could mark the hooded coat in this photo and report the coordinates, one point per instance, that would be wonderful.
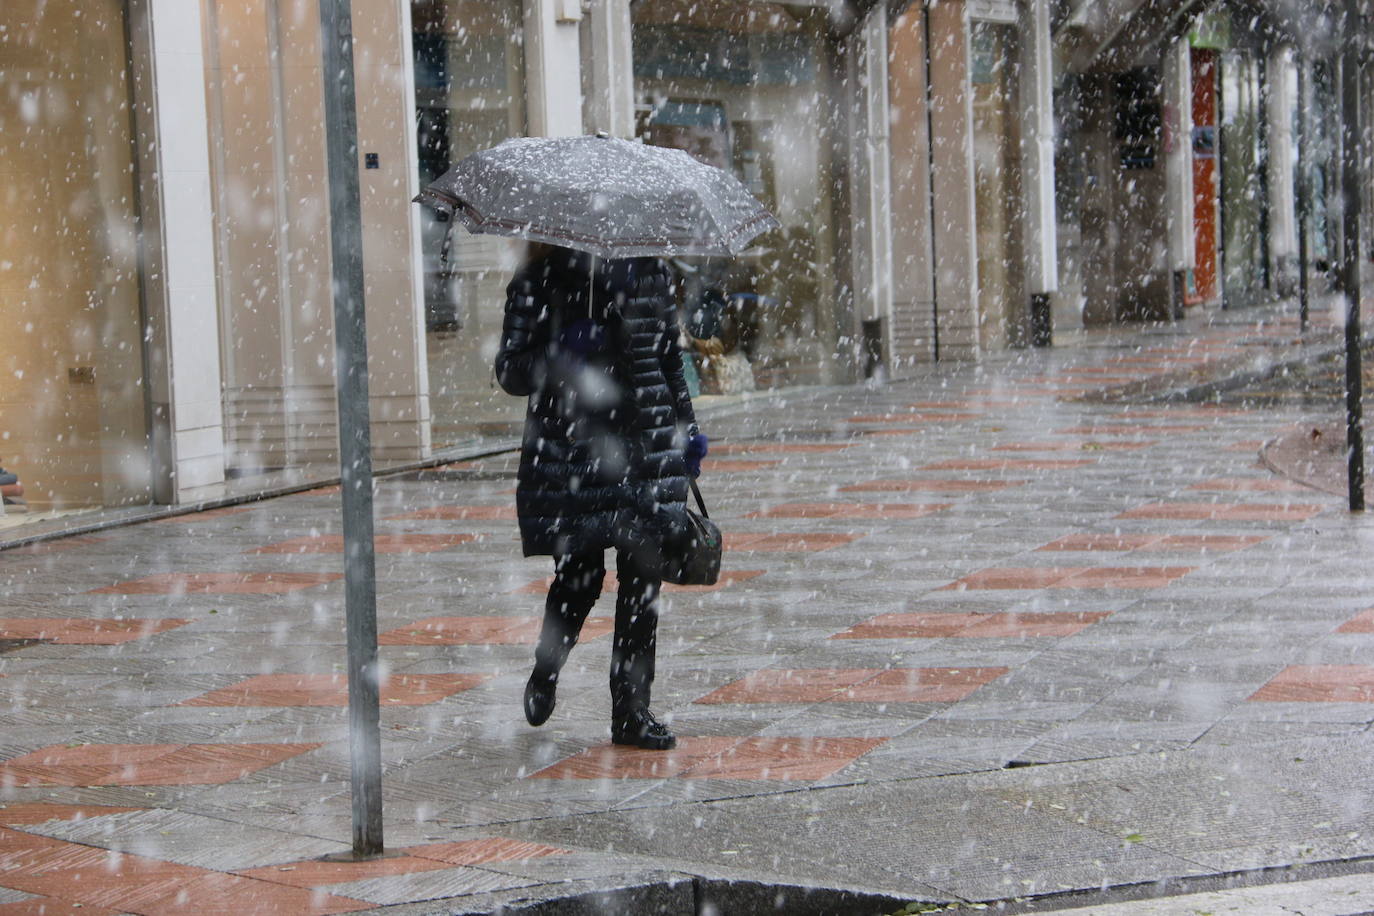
(604, 432)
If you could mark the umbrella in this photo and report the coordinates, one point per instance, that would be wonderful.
(614, 198)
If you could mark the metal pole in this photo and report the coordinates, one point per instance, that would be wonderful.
(355, 436)
(1352, 131)
(1304, 198)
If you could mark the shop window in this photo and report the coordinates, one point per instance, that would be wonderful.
(73, 417)
(469, 95)
(745, 87)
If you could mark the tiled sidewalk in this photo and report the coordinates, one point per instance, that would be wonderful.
(926, 583)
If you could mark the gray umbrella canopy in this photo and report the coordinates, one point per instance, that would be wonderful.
(611, 197)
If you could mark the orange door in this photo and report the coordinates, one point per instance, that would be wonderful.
(1206, 193)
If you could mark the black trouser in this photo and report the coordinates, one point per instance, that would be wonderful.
(576, 586)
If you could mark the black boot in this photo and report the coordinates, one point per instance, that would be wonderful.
(639, 728)
(576, 586)
(540, 696)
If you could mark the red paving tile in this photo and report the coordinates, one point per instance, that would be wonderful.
(963, 404)
(1203, 543)
(1074, 445)
(332, 690)
(728, 577)
(1007, 464)
(854, 685)
(458, 514)
(218, 584)
(1003, 624)
(481, 631)
(1102, 542)
(717, 757)
(51, 906)
(82, 631)
(1015, 577)
(727, 466)
(382, 543)
(28, 813)
(912, 417)
(617, 762)
(888, 511)
(1128, 429)
(787, 448)
(1225, 512)
(1189, 413)
(1319, 684)
(1037, 577)
(127, 883)
(1362, 622)
(1125, 577)
(788, 685)
(812, 542)
(930, 486)
(784, 759)
(1251, 485)
(144, 764)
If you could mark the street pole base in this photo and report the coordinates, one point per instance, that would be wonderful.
(351, 856)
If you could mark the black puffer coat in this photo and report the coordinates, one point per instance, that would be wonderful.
(603, 435)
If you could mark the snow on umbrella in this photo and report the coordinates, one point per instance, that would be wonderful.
(614, 198)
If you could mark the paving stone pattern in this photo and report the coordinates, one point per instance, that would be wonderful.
(975, 640)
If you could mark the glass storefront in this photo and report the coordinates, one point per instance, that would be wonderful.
(469, 95)
(747, 87)
(73, 417)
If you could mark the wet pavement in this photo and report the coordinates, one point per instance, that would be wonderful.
(982, 635)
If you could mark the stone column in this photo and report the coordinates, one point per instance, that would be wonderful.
(913, 268)
(1283, 217)
(183, 343)
(271, 209)
(951, 126)
(553, 67)
(397, 357)
(865, 53)
(1037, 166)
(609, 60)
(1178, 167)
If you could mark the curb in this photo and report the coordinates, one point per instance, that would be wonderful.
(685, 894)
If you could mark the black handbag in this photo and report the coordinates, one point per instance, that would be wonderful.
(691, 552)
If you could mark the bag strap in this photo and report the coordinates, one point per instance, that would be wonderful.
(700, 502)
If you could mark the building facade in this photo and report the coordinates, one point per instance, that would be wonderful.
(952, 179)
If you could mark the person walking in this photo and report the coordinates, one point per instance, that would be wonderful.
(610, 438)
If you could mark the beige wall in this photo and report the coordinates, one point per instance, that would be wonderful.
(72, 411)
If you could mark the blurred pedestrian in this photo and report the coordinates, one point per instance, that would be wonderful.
(610, 435)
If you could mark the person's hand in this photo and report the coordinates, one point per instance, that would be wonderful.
(582, 338)
(697, 446)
